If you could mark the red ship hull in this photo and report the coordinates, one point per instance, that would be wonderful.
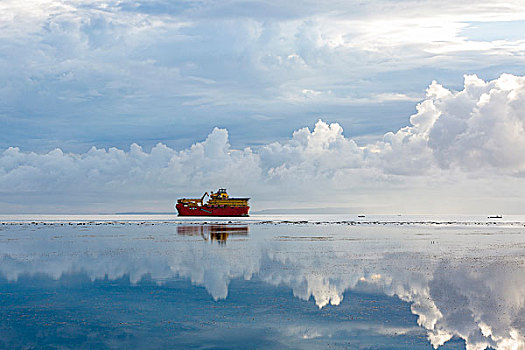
(211, 211)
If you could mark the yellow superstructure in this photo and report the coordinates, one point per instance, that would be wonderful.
(221, 198)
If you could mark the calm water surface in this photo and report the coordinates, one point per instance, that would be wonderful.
(384, 282)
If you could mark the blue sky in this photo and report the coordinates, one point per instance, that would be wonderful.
(110, 73)
(78, 74)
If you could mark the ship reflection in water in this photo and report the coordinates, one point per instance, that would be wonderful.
(217, 232)
(283, 285)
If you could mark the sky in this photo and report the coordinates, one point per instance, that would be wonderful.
(376, 107)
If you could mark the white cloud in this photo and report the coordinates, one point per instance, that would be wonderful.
(120, 171)
(75, 72)
(482, 126)
(458, 140)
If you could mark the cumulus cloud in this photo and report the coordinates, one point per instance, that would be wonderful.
(481, 126)
(127, 174)
(113, 72)
(320, 151)
(457, 139)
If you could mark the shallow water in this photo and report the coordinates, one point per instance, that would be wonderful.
(262, 282)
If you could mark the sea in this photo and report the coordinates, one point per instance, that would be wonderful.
(262, 282)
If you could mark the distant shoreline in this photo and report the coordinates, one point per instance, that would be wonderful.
(142, 213)
(259, 212)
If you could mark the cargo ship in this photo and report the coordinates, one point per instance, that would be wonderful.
(218, 204)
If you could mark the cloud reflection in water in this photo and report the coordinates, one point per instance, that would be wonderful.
(455, 288)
